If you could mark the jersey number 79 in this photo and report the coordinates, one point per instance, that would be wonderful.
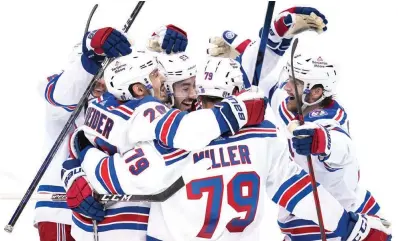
(237, 199)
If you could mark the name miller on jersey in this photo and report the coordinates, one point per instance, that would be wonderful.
(225, 156)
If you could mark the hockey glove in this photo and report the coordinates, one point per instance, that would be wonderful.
(295, 20)
(291, 22)
(368, 228)
(101, 43)
(169, 38)
(312, 138)
(229, 45)
(241, 110)
(79, 193)
(287, 24)
(79, 144)
(255, 103)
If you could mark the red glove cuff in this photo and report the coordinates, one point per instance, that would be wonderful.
(177, 29)
(318, 141)
(255, 111)
(99, 39)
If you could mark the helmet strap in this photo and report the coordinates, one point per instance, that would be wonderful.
(306, 104)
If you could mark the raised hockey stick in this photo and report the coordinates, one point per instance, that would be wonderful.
(309, 159)
(66, 129)
(263, 42)
(90, 17)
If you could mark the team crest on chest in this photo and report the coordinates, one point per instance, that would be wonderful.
(318, 113)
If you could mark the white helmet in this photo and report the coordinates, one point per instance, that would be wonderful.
(313, 71)
(127, 70)
(220, 77)
(178, 67)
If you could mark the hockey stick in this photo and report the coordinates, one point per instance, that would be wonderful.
(263, 42)
(95, 230)
(95, 226)
(104, 198)
(90, 17)
(309, 159)
(66, 129)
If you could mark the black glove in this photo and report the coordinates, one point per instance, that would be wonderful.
(81, 143)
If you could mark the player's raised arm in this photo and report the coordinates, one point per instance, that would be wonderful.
(286, 25)
(66, 88)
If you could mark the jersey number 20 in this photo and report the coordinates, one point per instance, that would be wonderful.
(240, 200)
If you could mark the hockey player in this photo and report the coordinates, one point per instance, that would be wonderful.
(326, 131)
(115, 125)
(180, 82)
(235, 172)
(324, 136)
(62, 92)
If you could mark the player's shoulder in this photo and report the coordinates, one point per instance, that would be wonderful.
(334, 112)
(265, 129)
(108, 103)
(266, 124)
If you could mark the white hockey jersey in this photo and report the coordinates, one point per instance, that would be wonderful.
(61, 91)
(339, 174)
(226, 185)
(124, 124)
(106, 122)
(115, 127)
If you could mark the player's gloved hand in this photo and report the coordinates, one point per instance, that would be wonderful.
(168, 38)
(295, 20)
(229, 45)
(312, 138)
(238, 111)
(291, 22)
(79, 193)
(101, 43)
(79, 144)
(368, 228)
(255, 103)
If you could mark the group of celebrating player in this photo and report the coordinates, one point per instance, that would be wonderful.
(153, 118)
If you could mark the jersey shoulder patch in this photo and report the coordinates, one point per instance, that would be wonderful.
(333, 112)
(317, 113)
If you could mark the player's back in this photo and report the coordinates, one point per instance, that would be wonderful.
(225, 202)
(106, 123)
